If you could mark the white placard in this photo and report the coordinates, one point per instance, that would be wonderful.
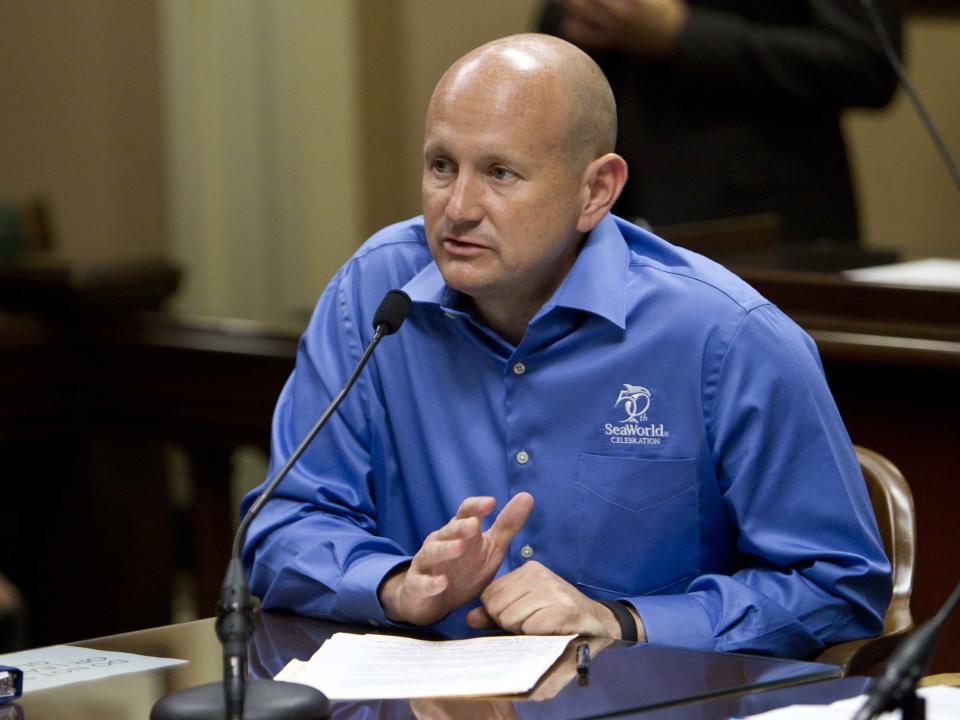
(943, 703)
(932, 272)
(63, 664)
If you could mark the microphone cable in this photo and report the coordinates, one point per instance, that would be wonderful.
(898, 68)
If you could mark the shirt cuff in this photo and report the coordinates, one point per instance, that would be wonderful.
(357, 596)
(678, 620)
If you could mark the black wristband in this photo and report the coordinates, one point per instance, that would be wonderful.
(628, 626)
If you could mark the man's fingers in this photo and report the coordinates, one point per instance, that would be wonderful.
(510, 599)
(580, 7)
(437, 552)
(511, 519)
(518, 614)
(457, 528)
(479, 619)
(478, 507)
(516, 583)
(584, 33)
(593, 15)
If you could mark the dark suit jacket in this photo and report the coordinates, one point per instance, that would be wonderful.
(743, 117)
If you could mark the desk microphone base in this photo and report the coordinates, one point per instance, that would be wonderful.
(264, 700)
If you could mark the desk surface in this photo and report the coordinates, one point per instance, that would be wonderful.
(626, 680)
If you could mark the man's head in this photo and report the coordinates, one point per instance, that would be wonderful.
(518, 166)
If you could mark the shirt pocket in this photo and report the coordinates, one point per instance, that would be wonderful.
(636, 525)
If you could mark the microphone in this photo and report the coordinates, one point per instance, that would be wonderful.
(391, 312)
(236, 698)
(896, 687)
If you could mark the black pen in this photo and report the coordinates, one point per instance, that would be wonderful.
(583, 660)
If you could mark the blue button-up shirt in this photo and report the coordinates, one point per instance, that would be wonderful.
(673, 426)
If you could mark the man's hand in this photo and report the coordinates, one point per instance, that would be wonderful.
(640, 27)
(533, 600)
(455, 562)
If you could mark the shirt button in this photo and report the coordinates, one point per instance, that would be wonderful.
(522, 457)
(526, 552)
(519, 368)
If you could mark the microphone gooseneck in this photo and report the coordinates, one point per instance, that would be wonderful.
(266, 699)
(897, 66)
(390, 314)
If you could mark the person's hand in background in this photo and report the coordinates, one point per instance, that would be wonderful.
(640, 27)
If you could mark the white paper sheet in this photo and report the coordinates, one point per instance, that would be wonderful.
(63, 664)
(364, 667)
(943, 703)
(932, 272)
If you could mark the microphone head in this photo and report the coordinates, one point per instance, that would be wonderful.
(392, 311)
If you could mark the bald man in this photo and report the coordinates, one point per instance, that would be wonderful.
(667, 461)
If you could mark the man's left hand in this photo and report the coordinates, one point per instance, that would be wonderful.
(533, 600)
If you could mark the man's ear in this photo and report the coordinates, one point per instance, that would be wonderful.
(604, 179)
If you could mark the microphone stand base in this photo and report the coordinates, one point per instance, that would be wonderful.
(264, 700)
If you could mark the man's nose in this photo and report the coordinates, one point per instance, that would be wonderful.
(463, 204)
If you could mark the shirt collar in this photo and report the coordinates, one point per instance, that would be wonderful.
(428, 287)
(596, 283)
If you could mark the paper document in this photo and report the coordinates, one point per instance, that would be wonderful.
(366, 667)
(63, 664)
(932, 272)
(943, 703)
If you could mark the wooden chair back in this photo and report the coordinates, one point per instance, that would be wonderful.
(896, 520)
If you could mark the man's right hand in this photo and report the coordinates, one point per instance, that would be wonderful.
(455, 563)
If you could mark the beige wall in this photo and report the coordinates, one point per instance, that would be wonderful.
(262, 149)
(907, 198)
(80, 122)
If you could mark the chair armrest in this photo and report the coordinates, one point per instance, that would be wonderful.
(858, 657)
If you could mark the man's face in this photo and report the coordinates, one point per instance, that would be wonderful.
(501, 197)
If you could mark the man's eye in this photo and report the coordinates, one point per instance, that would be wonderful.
(441, 166)
(501, 173)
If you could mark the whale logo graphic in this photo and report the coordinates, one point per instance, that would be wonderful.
(636, 408)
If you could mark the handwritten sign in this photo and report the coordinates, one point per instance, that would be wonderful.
(63, 664)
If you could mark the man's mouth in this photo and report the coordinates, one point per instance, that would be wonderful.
(463, 247)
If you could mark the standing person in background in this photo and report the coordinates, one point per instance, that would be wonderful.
(732, 107)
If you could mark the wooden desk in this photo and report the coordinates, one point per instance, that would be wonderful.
(624, 678)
